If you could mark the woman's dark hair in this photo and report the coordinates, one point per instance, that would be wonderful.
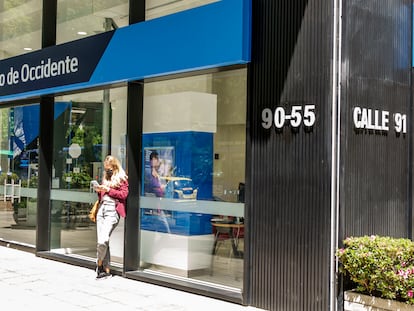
(153, 155)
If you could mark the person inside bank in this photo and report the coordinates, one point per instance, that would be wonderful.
(112, 194)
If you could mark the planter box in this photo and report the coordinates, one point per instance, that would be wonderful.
(359, 302)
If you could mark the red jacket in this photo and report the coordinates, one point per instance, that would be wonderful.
(120, 194)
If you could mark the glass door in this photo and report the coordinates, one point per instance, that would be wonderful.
(89, 126)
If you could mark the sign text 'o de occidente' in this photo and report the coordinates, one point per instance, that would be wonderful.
(46, 68)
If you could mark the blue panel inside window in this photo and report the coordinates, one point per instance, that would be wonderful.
(193, 157)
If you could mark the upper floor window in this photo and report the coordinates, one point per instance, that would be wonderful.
(82, 18)
(158, 8)
(20, 27)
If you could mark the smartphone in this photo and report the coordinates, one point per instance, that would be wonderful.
(94, 184)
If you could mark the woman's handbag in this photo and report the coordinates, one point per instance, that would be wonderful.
(94, 211)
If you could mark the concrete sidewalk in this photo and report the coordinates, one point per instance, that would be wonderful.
(31, 282)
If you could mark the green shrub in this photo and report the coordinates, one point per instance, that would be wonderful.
(379, 266)
(79, 180)
(8, 176)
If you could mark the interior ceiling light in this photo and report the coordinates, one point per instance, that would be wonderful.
(80, 111)
(27, 49)
(82, 33)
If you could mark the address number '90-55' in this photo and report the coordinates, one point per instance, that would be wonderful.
(298, 115)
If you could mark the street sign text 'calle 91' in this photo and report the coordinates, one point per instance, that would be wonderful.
(380, 120)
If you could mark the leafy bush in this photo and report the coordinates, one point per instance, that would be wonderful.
(8, 176)
(79, 180)
(379, 266)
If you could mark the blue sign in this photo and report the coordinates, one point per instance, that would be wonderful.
(208, 36)
(72, 62)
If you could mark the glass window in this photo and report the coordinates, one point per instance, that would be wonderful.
(21, 20)
(82, 18)
(192, 198)
(19, 132)
(158, 8)
(20, 27)
(88, 127)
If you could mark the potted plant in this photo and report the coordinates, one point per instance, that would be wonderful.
(19, 211)
(379, 268)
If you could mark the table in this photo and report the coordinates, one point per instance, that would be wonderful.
(229, 229)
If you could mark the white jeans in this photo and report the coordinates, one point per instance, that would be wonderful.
(106, 221)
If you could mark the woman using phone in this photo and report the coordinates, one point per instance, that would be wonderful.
(112, 194)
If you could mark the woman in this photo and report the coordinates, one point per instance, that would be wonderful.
(112, 195)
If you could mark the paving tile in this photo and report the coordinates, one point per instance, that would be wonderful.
(34, 283)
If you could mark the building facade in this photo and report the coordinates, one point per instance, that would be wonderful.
(280, 128)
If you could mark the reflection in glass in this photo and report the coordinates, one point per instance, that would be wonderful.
(83, 136)
(158, 8)
(21, 21)
(20, 27)
(77, 19)
(192, 196)
(83, 18)
(19, 133)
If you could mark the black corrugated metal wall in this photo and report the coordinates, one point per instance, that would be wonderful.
(375, 195)
(290, 181)
(289, 186)
(376, 75)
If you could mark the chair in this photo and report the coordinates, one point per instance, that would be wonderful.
(12, 191)
(224, 231)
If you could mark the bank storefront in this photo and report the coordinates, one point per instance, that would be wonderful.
(280, 128)
(173, 84)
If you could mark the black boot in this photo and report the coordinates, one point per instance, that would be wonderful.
(99, 270)
(102, 274)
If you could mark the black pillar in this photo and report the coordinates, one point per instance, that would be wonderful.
(134, 169)
(45, 173)
(134, 147)
(49, 23)
(136, 11)
(49, 13)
